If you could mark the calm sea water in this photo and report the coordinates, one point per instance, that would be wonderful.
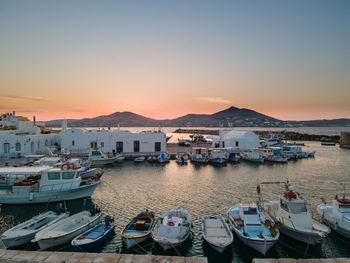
(129, 188)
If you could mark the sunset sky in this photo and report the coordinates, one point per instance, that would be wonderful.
(163, 59)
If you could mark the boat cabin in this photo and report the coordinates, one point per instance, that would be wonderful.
(293, 205)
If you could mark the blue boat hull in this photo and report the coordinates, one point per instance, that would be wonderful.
(91, 245)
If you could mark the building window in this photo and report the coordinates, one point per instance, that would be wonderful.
(32, 147)
(46, 143)
(157, 146)
(119, 147)
(236, 143)
(93, 145)
(223, 144)
(18, 147)
(102, 144)
(6, 147)
(136, 146)
(73, 143)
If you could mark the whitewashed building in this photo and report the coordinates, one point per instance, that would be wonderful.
(243, 140)
(19, 137)
(80, 141)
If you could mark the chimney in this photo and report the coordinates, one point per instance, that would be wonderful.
(34, 120)
(14, 114)
(64, 126)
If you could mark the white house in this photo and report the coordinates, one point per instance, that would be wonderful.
(19, 136)
(81, 141)
(243, 140)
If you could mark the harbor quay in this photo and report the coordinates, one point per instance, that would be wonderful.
(22, 256)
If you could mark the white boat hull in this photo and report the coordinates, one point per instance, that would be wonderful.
(305, 237)
(57, 241)
(91, 173)
(52, 196)
(18, 241)
(218, 160)
(103, 161)
(132, 242)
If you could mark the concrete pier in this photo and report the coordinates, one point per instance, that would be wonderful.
(22, 256)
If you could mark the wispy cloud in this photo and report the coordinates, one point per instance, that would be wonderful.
(14, 97)
(214, 100)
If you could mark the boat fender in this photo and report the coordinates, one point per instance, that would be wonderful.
(171, 224)
(267, 222)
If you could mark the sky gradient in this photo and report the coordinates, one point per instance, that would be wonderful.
(163, 59)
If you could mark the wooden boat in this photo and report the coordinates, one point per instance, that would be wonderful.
(65, 230)
(96, 157)
(24, 232)
(94, 236)
(216, 232)
(254, 228)
(328, 143)
(120, 158)
(217, 155)
(173, 229)
(199, 155)
(138, 229)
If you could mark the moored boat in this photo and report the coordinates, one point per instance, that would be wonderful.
(139, 159)
(252, 155)
(292, 213)
(337, 214)
(217, 155)
(95, 236)
(216, 232)
(163, 158)
(181, 158)
(199, 155)
(173, 229)
(253, 227)
(24, 232)
(49, 185)
(65, 230)
(138, 229)
(97, 158)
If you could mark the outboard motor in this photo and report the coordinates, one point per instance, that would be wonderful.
(60, 208)
(95, 209)
(108, 220)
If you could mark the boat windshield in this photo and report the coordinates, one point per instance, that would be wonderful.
(250, 211)
(297, 208)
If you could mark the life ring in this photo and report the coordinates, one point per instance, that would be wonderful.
(171, 224)
(67, 166)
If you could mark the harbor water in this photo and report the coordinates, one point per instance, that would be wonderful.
(129, 188)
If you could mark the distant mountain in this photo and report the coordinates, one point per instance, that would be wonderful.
(231, 117)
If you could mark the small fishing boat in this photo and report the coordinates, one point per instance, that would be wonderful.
(152, 159)
(97, 157)
(199, 155)
(270, 156)
(173, 229)
(24, 232)
(65, 230)
(217, 155)
(163, 158)
(94, 236)
(337, 214)
(328, 143)
(216, 232)
(253, 228)
(138, 229)
(292, 213)
(120, 158)
(139, 159)
(181, 158)
(253, 155)
(233, 154)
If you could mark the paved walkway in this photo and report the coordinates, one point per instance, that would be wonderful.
(22, 256)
